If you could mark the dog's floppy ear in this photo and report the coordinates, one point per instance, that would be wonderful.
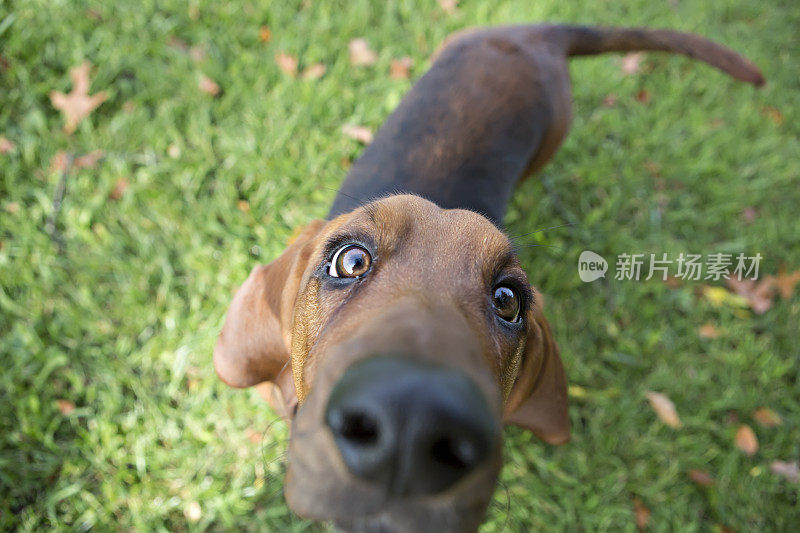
(253, 346)
(538, 400)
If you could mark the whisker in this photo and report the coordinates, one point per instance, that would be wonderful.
(339, 191)
(543, 229)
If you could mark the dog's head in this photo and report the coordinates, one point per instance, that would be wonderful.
(407, 334)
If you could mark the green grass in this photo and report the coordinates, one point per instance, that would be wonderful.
(121, 322)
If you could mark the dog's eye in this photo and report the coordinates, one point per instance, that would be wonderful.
(350, 261)
(505, 301)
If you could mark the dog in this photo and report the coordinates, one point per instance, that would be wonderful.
(401, 333)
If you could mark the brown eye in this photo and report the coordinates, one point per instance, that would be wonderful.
(505, 301)
(351, 261)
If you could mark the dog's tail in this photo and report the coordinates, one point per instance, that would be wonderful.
(584, 40)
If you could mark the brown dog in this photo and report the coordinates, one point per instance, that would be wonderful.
(404, 326)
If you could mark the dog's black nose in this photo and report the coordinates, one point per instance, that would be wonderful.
(410, 427)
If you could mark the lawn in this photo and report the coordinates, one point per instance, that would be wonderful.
(111, 416)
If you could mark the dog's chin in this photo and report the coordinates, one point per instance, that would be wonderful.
(318, 487)
(414, 520)
(461, 511)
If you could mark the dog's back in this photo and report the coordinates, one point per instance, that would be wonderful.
(494, 108)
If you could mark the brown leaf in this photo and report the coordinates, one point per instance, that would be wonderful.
(208, 86)
(313, 72)
(287, 63)
(253, 436)
(264, 34)
(631, 63)
(120, 187)
(59, 162)
(399, 68)
(243, 206)
(360, 53)
(774, 114)
(610, 100)
(746, 440)
(641, 514)
(77, 104)
(785, 282)
(789, 470)
(65, 406)
(449, 6)
(701, 477)
(708, 331)
(88, 160)
(664, 408)
(6, 146)
(749, 214)
(361, 134)
(643, 96)
(767, 418)
(197, 53)
(655, 170)
(94, 14)
(760, 295)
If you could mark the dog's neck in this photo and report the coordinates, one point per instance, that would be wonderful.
(424, 148)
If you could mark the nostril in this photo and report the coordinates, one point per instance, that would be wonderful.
(359, 428)
(457, 453)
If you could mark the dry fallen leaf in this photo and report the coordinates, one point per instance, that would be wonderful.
(88, 160)
(287, 63)
(360, 53)
(641, 514)
(65, 406)
(449, 6)
(61, 160)
(264, 34)
(197, 53)
(119, 189)
(774, 114)
(399, 68)
(208, 86)
(749, 214)
(253, 436)
(77, 104)
(361, 134)
(193, 512)
(785, 282)
(759, 295)
(631, 63)
(746, 440)
(701, 477)
(709, 331)
(610, 100)
(767, 418)
(243, 206)
(664, 408)
(313, 72)
(789, 470)
(643, 96)
(6, 146)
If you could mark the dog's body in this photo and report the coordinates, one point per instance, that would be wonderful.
(493, 109)
(404, 325)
